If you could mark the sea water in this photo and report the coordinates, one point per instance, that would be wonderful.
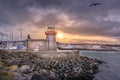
(109, 70)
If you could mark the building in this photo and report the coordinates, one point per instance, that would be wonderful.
(48, 44)
(51, 37)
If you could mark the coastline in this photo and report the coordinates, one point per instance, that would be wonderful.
(89, 49)
(26, 66)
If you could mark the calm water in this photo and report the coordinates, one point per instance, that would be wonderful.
(109, 70)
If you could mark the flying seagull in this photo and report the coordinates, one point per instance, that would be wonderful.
(95, 4)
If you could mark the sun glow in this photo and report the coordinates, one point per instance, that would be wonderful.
(60, 36)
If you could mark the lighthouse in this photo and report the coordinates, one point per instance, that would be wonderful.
(51, 37)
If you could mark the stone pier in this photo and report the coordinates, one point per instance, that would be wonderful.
(53, 55)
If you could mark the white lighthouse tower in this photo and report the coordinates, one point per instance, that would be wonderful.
(51, 37)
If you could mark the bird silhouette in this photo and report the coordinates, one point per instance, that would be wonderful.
(95, 4)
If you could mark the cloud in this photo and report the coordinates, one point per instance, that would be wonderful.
(113, 16)
(70, 16)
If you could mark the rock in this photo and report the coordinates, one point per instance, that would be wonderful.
(24, 68)
(19, 76)
(10, 74)
(28, 76)
(52, 75)
(13, 68)
(25, 64)
(47, 74)
(36, 77)
(1, 63)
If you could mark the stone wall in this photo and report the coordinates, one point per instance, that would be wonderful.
(56, 55)
(41, 45)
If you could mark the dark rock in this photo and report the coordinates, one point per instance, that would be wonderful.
(36, 77)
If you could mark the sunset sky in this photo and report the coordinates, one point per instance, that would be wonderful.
(73, 19)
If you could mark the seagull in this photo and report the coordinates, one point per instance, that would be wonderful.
(95, 4)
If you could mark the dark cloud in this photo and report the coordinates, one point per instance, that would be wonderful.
(11, 12)
(16, 12)
(49, 19)
(48, 3)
